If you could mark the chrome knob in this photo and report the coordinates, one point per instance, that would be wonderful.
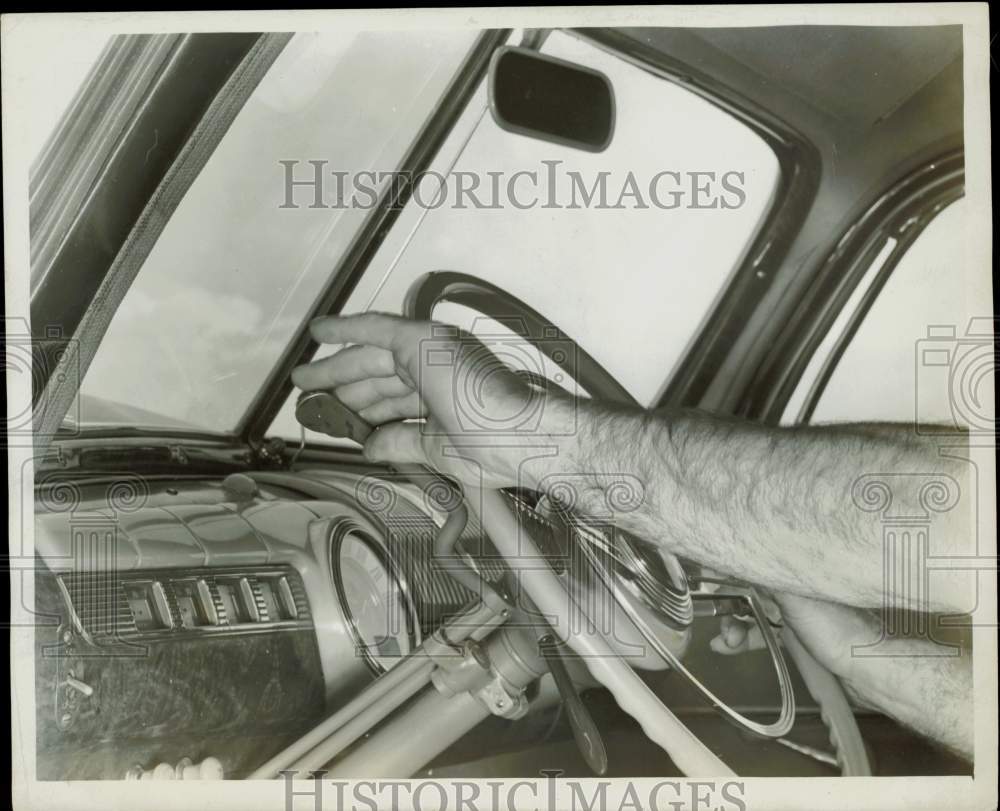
(209, 769)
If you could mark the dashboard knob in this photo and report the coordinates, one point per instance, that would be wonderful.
(209, 769)
(164, 771)
(240, 487)
(135, 772)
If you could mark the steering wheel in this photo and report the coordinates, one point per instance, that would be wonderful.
(653, 605)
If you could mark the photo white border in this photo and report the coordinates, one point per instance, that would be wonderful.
(19, 31)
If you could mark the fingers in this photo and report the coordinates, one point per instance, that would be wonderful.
(396, 443)
(406, 407)
(374, 329)
(346, 366)
(364, 393)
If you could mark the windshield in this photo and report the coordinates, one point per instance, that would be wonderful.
(678, 195)
(682, 188)
(236, 270)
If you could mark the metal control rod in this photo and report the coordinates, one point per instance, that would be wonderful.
(349, 732)
(629, 691)
(383, 690)
(490, 681)
(389, 690)
(392, 750)
(447, 498)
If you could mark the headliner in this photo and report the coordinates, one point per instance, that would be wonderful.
(851, 76)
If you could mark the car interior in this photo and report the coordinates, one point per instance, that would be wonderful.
(226, 587)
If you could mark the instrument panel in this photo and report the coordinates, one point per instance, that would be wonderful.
(255, 605)
(185, 623)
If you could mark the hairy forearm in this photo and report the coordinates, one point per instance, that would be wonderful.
(921, 684)
(775, 506)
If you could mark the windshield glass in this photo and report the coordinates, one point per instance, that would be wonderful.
(682, 189)
(678, 195)
(236, 271)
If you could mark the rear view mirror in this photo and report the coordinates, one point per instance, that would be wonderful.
(543, 97)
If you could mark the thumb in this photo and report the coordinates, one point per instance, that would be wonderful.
(396, 442)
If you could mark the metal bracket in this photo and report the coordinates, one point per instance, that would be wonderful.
(503, 700)
(474, 672)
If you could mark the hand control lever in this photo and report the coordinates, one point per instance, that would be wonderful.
(323, 412)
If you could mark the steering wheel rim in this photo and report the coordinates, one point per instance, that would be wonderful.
(436, 287)
(599, 565)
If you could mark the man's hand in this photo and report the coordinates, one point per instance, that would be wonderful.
(903, 678)
(828, 630)
(393, 369)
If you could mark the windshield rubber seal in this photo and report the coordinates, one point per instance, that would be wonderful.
(131, 203)
(901, 212)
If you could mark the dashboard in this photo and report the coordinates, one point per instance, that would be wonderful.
(183, 621)
(202, 619)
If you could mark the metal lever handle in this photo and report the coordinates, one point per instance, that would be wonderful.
(323, 412)
(588, 736)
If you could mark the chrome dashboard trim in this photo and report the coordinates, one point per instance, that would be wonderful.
(121, 626)
(339, 530)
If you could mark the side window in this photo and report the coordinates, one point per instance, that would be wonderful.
(913, 356)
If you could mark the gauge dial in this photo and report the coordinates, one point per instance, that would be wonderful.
(374, 600)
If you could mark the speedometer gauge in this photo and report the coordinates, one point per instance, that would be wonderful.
(374, 598)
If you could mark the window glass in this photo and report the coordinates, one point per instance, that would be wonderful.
(910, 355)
(235, 272)
(631, 275)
